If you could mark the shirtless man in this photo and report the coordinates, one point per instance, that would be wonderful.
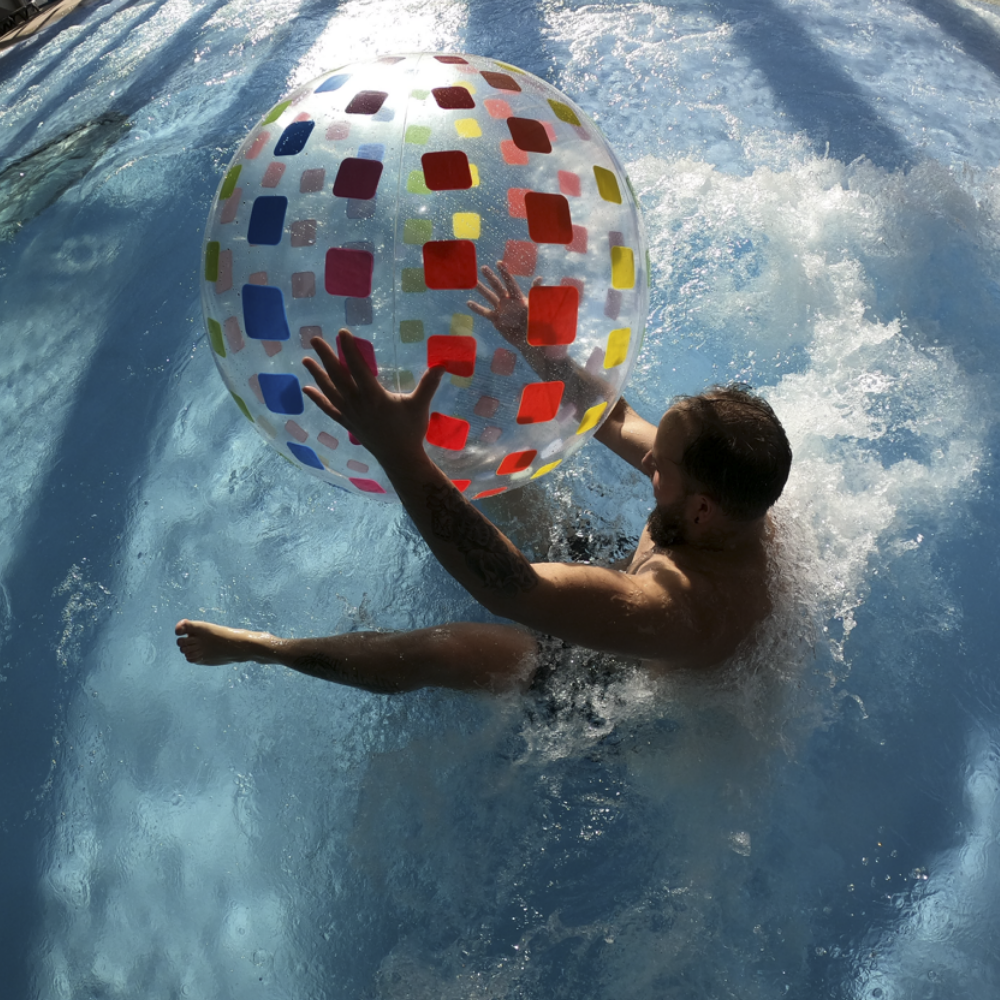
(694, 590)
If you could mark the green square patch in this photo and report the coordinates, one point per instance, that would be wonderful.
(215, 338)
(212, 250)
(417, 231)
(417, 135)
(229, 184)
(411, 331)
(275, 113)
(412, 279)
(415, 183)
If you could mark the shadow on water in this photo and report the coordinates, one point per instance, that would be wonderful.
(976, 35)
(72, 83)
(34, 49)
(88, 488)
(519, 39)
(814, 92)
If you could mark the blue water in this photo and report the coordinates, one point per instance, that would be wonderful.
(821, 191)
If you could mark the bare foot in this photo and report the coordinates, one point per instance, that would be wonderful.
(214, 645)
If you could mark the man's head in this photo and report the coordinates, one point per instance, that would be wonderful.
(721, 452)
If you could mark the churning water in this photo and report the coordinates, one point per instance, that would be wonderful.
(822, 199)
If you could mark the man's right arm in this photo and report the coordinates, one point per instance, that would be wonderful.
(624, 431)
(627, 434)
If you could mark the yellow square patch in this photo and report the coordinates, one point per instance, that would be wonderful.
(618, 343)
(622, 268)
(468, 128)
(466, 225)
(591, 417)
(461, 325)
(546, 469)
(607, 185)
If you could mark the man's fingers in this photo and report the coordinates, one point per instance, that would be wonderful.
(323, 402)
(356, 363)
(325, 352)
(495, 282)
(427, 386)
(333, 373)
(325, 393)
(490, 296)
(480, 309)
(512, 287)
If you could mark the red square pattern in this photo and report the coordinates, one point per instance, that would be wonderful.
(552, 315)
(503, 362)
(453, 98)
(447, 432)
(548, 218)
(540, 402)
(461, 484)
(569, 183)
(447, 171)
(349, 272)
(486, 407)
(452, 60)
(367, 485)
(365, 348)
(450, 264)
(501, 81)
(512, 155)
(529, 135)
(521, 257)
(579, 242)
(456, 355)
(516, 461)
(498, 108)
(366, 102)
(515, 203)
(357, 178)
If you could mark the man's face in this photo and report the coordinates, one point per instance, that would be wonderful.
(669, 522)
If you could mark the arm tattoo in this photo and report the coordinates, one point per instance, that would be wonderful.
(329, 668)
(488, 555)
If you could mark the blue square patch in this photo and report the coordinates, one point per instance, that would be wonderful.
(281, 393)
(305, 455)
(293, 139)
(264, 313)
(334, 83)
(267, 220)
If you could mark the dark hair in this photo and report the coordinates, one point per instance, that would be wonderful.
(738, 453)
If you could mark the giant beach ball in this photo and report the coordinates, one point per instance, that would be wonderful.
(369, 199)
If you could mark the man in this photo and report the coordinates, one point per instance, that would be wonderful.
(693, 592)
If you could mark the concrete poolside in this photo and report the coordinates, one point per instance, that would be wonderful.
(49, 15)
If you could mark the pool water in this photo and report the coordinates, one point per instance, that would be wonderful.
(821, 194)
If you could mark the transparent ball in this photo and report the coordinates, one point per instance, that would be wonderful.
(369, 199)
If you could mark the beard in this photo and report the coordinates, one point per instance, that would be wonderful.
(667, 526)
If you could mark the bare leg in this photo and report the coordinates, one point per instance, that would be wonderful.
(462, 655)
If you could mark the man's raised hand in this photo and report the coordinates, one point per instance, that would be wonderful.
(507, 307)
(390, 425)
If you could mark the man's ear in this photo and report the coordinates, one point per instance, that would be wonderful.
(705, 509)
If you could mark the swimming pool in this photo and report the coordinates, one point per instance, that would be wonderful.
(821, 195)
